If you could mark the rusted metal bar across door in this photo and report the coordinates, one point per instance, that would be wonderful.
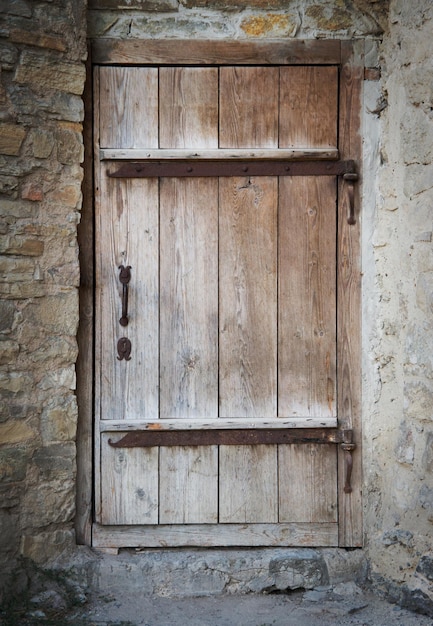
(181, 168)
(244, 436)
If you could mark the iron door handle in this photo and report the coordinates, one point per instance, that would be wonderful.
(124, 277)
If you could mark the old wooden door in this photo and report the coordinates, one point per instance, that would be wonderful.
(226, 295)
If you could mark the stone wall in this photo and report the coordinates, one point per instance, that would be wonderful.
(42, 47)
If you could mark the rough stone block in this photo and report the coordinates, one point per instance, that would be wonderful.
(301, 568)
(59, 420)
(32, 190)
(69, 147)
(9, 185)
(42, 143)
(7, 315)
(44, 546)
(13, 464)
(12, 383)
(17, 209)
(9, 524)
(17, 7)
(11, 139)
(55, 460)
(8, 351)
(58, 105)
(159, 6)
(16, 432)
(270, 25)
(47, 72)
(52, 502)
(36, 39)
(8, 56)
(57, 314)
(13, 270)
(425, 567)
(21, 246)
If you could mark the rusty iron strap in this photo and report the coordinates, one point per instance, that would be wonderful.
(181, 168)
(227, 437)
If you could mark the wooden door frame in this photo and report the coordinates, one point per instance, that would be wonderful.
(349, 56)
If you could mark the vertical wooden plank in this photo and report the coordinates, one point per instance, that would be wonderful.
(189, 297)
(130, 484)
(307, 297)
(128, 235)
(128, 107)
(248, 490)
(248, 107)
(188, 485)
(248, 297)
(308, 107)
(349, 294)
(83, 517)
(307, 475)
(97, 302)
(188, 105)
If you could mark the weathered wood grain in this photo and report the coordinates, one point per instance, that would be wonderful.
(307, 483)
(307, 297)
(188, 485)
(248, 488)
(248, 297)
(308, 107)
(205, 52)
(130, 485)
(349, 296)
(248, 107)
(238, 154)
(213, 535)
(127, 224)
(188, 107)
(209, 424)
(128, 102)
(189, 298)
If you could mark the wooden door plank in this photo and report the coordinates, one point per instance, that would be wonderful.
(248, 107)
(128, 235)
(129, 486)
(189, 298)
(216, 52)
(307, 483)
(349, 296)
(248, 297)
(308, 107)
(128, 107)
(188, 107)
(188, 485)
(248, 489)
(214, 535)
(307, 297)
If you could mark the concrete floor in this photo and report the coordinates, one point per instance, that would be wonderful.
(345, 604)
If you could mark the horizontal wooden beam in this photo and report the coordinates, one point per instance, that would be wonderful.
(223, 52)
(220, 423)
(148, 438)
(207, 535)
(220, 154)
(224, 168)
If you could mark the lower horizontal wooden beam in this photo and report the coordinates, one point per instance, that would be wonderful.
(146, 438)
(214, 535)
